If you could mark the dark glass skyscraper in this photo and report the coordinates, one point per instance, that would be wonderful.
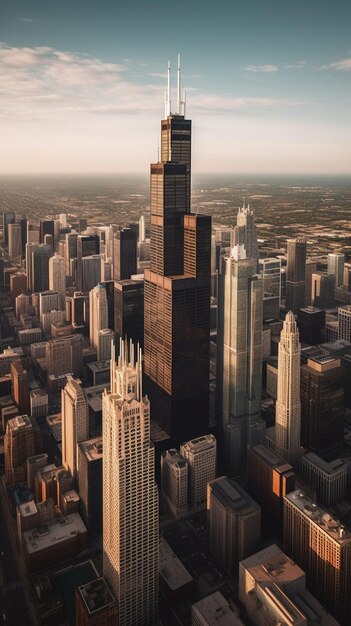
(177, 292)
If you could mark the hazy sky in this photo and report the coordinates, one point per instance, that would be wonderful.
(268, 84)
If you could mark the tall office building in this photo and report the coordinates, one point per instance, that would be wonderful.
(322, 403)
(87, 246)
(336, 263)
(18, 446)
(323, 288)
(90, 271)
(244, 233)
(328, 479)
(124, 254)
(177, 291)
(320, 545)
(142, 230)
(8, 217)
(174, 481)
(64, 355)
(288, 405)
(239, 358)
(57, 277)
(75, 422)
(20, 386)
(129, 310)
(33, 232)
(46, 227)
(201, 456)
(271, 270)
(295, 275)
(15, 241)
(38, 267)
(130, 498)
(311, 268)
(98, 316)
(234, 523)
(344, 319)
(71, 240)
(89, 462)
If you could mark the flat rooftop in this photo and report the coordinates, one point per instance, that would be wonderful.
(333, 467)
(199, 444)
(27, 508)
(96, 595)
(272, 565)
(273, 459)
(215, 611)
(60, 531)
(171, 569)
(231, 495)
(330, 526)
(92, 448)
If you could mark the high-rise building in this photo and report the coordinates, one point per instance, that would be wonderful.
(33, 232)
(129, 310)
(124, 254)
(295, 275)
(271, 270)
(75, 422)
(49, 301)
(344, 319)
(95, 604)
(142, 230)
(269, 479)
(130, 498)
(322, 403)
(234, 523)
(336, 262)
(244, 233)
(18, 284)
(64, 355)
(328, 479)
(239, 358)
(38, 267)
(57, 277)
(8, 217)
(214, 610)
(90, 483)
(70, 250)
(201, 456)
(20, 386)
(288, 405)
(46, 227)
(87, 245)
(18, 446)
(90, 272)
(311, 324)
(98, 316)
(105, 339)
(323, 288)
(177, 291)
(174, 481)
(320, 545)
(311, 268)
(15, 241)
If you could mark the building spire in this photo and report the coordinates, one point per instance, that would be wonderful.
(179, 103)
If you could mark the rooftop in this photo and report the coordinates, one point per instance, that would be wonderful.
(27, 508)
(332, 527)
(200, 444)
(330, 468)
(60, 531)
(96, 595)
(271, 564)
(273, 459)
(172, 569)
(92, 448)
(231, 495)
(216, 611)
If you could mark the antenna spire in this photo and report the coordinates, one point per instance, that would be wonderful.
(179, 103)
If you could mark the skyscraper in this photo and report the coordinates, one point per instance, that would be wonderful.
(244, 233)
(98, 316)
(75, 422)
(8, 217)
(239, 357)
(288, 405)
(124, 254)
(177, 290)
(57, 276)
(295, 275)
(336, 263)
(130, 498)
(15, 241)
(19, 445)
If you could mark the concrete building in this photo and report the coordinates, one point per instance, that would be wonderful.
(234, 523)
(57, 277)
(323, 288)
(321, 545)
(130, 498)
(75, 423)
(322, 403)
(311, 268)
(344, 319)
(239, 358)
(91, 271)
(270, 269)
(20, 386)
(288, 405)
(201, 456)
(64, 355)
(174, 481)
(214, 610)
(95, 604)
(105, 339)
(273, 590)
(18, 446)
(90, 453)
(49, 301)
(244, 233)
(175, 581)
(269, 479)
(295, 275)
(328, 479)
(15, 241)
(336, 263)
(98, 316)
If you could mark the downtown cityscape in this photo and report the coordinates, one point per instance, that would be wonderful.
(175, 366)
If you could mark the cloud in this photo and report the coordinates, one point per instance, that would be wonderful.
(342, 65)
(25, 19)
(261, 68)
(295, 66)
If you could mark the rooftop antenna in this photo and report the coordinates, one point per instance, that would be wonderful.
(179, 103)
(168, 99)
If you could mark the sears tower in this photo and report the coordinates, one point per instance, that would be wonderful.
(177, 288)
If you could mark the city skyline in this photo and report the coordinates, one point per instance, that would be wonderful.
(82, 89)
